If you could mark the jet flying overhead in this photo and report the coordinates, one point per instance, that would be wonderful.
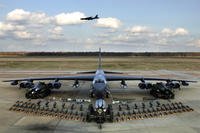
(90, 18)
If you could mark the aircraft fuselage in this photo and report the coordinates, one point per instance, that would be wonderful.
(99, 84)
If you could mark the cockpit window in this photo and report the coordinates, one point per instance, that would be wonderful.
(99, 81)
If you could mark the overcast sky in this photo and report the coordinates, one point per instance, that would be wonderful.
(124, 25)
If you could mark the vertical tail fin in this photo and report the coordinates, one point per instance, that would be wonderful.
(100, 66)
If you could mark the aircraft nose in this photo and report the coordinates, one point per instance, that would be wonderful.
(99, 89)
(99, 86)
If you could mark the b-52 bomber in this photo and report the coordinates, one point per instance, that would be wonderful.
(90, 18)
(99, 86)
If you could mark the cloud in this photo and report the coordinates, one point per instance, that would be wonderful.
(69, 18)
(139, 29)
(56, 33)
(22, 16)
(21, 24)
(181, 31)
(40, 29)
(18, 15)
(177, 32)
(17, 32)
(148, 37)
(22, 35)
(2, 34)
(195, 43)
(108, 23)
(167, 32)
(56, 30)
(12, 30)
(10, 27)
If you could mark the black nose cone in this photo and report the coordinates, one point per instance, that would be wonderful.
(99, 89)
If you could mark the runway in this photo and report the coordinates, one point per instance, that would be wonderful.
(19, 122)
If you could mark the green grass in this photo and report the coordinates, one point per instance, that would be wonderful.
(89, 63)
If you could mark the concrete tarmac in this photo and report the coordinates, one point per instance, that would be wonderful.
(19, 122)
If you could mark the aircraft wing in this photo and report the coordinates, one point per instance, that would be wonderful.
(129, 77)
(76, 77)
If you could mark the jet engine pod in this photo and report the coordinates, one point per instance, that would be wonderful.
(53, 85)
(149, 85)
(176, 86)
(170, 84)
(50, 85)
(56, 85)
(22, 85)
(142, 85)
(28, 84)
(184, 83)
(14, 82)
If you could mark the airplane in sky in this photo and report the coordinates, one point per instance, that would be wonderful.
(90, 18)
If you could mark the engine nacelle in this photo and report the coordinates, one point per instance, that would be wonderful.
(145, 85)
(53, 85)
(14, 83)
(142, 85)
(172, 85)
(50, 85)
(184, 83)
(149, 85)
(176, 86)
(22, 85)
(26, 84)
(29, 84)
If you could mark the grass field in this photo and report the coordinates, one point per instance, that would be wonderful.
(89, 63)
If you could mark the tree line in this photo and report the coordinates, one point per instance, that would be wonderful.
(180, 54)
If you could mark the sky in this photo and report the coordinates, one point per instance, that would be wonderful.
(124, 25)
